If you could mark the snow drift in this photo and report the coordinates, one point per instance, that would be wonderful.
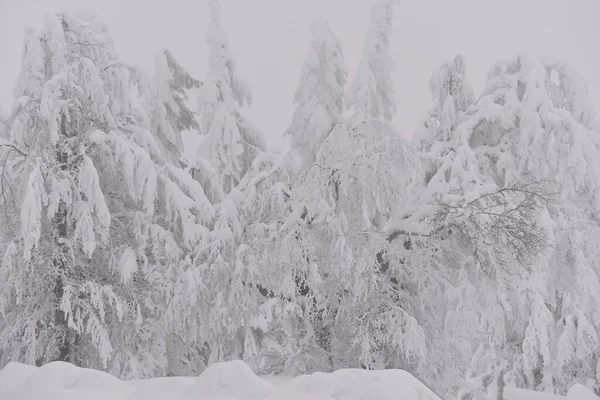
(229, 381)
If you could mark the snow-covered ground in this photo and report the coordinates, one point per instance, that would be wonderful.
(228, 381)
(232, 380)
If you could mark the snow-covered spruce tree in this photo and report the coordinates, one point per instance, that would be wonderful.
(325, 280)
(104, 222)
(364, 176)
(324, 263)
(371, 93)
(371, 175)
(452, 94)
(9, 212)
(372, 172)
(498, 209)
(535, 121)
(175, 86)
(296, 260)
(2, 123)
(319, 95)
(232, 142)
(440, 251)
(233, 296)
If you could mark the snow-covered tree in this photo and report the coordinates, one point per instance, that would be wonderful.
(452, 95)
(335, 246)
(319, 95)
(2, 123)
(330, 302)
(531, 132)
(175, 89)
(479, 244)
(373, 170)
(537, 115)
(224, 298)
(232, 142)
(104, 223)
(371, 93)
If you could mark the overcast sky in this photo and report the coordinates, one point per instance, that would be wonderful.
(270, 37)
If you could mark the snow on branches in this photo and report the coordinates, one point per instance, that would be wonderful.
(104, 221)
(371, 93)
(232, 142)
(319, 95)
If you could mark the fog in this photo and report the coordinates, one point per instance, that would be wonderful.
(270, 39)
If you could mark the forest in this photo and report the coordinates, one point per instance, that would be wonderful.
(468, 255)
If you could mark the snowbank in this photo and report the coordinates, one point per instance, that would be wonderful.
(577, 392)
(64, 381)
(228, 381)
(580, 392)
(232, 381)
(13, 375)
(521, 394)
(159, 388)
(354, 384)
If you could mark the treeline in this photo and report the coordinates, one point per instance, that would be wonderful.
(469, 257)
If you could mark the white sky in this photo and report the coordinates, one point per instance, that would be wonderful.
(270, 39)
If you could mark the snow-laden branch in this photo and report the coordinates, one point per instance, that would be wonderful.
(5, 143)
(499, 226)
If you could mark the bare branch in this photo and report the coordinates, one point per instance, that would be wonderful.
(119, 65)
(99, 44)
(12, 147)
(499, 227)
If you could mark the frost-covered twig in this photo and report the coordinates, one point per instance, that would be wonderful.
(499, 226)
(12, 147)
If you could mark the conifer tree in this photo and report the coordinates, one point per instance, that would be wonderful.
(536, 121)
(319, 95)
(512, 163)
(452, 94)
(230, 264)
(103, 222)
(174, 87)
(371, 94)
(232, 142)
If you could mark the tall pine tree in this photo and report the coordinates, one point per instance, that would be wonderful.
(173, 113)
(104, 223)
(232, 142)
(319, 95)
(371, 93)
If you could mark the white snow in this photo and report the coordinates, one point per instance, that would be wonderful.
(350, 384)
(522, 394)
(232, 380)
(577, 392)
(580, 392)
(59, 380)
(159, 269)
(13, 375)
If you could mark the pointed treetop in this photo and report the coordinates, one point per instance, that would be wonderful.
(449, 80)
(215, 10)
(371, 95)
(175, 86)
(32, 76)
(320, 93)
(223, 83)
(232, 141)
(452, 94)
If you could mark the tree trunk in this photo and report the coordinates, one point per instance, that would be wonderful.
(69, 337)
(60, 266)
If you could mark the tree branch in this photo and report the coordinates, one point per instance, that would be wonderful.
(13, 147)
(499, 226)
